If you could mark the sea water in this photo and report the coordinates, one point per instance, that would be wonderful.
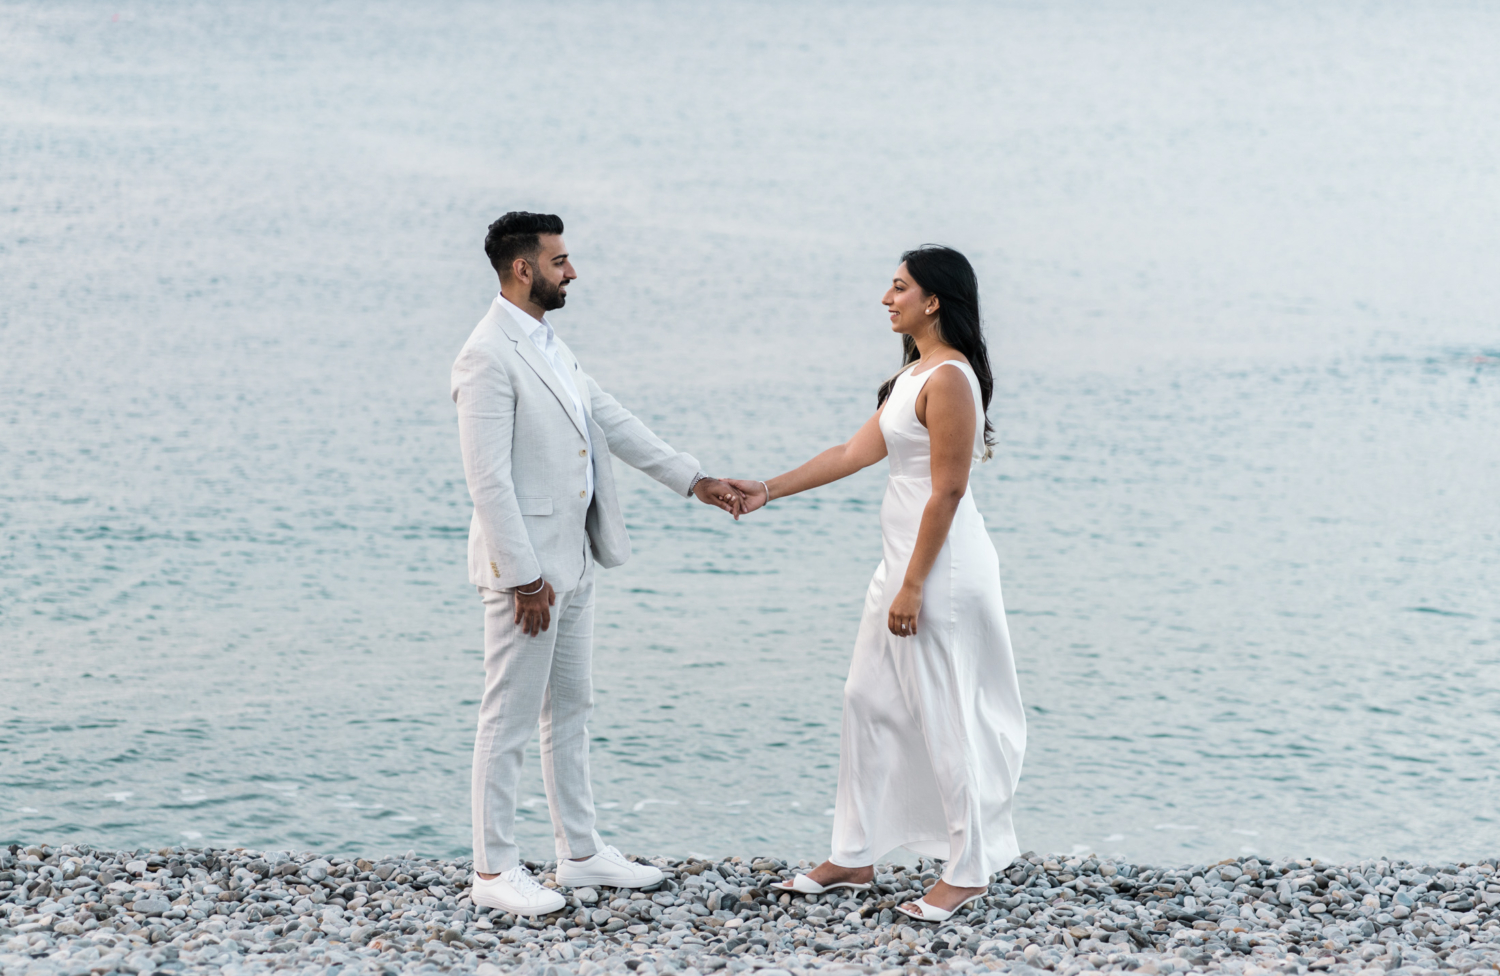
(1238, 270)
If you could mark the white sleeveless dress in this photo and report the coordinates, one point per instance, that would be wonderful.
(933, 730)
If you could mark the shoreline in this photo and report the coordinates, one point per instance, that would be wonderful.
(78, 909)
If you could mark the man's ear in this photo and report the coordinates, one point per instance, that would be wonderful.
(520, 270)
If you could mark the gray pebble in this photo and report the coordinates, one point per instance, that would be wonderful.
(78, 909)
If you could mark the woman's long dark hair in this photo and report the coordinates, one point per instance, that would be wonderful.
(944, 272)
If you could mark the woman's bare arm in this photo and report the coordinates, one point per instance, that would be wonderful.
(862, 450)
(950, 420)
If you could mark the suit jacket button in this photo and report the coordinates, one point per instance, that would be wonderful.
(582, 493)
(583, 452)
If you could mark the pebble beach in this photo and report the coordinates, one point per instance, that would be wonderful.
(80, 910)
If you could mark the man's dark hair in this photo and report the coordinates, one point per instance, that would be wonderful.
(518, 235)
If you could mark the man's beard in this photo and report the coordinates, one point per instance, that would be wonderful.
(545, 295)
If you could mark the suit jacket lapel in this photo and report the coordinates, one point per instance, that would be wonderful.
(538, 363)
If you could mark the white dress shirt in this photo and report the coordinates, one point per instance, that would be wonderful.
(544, 338)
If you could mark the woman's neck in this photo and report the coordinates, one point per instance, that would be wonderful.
(929, 345)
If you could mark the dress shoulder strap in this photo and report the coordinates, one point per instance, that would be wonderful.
(965, 368)
(955, 362)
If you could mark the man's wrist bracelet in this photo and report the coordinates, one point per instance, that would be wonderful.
(541, 585)
(701, 477)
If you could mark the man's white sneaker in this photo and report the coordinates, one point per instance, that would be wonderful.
(610, 868)
(516, 892)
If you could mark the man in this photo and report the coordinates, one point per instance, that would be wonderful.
(536, 432)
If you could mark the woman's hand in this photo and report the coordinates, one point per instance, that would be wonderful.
(755, 494)
(721, 494)
(904, 609)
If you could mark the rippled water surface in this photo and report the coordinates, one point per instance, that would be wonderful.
(1239, 270)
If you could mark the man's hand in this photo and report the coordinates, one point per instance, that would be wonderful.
(754, 493)
(533, 610)
(712, 491)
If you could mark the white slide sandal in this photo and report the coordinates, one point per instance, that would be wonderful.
(803, 885)
(926, 912)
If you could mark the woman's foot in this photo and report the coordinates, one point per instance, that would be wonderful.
(829, 873)
(945, 896)
(826, 877)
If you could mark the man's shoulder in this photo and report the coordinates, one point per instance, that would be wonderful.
(487, 340)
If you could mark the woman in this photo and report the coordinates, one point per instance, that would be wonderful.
(933, 729)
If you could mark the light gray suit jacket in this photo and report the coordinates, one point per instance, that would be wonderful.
(524, 456)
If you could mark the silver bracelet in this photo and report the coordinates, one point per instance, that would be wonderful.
(701, 477)
(542, 585)
(768, 492)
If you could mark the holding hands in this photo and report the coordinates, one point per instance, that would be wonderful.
(755, 494)
(737, 496)
(721, 494)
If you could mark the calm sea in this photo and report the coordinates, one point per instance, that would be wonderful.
(1238, 262)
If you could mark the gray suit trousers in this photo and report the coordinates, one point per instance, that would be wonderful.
(549, 678)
